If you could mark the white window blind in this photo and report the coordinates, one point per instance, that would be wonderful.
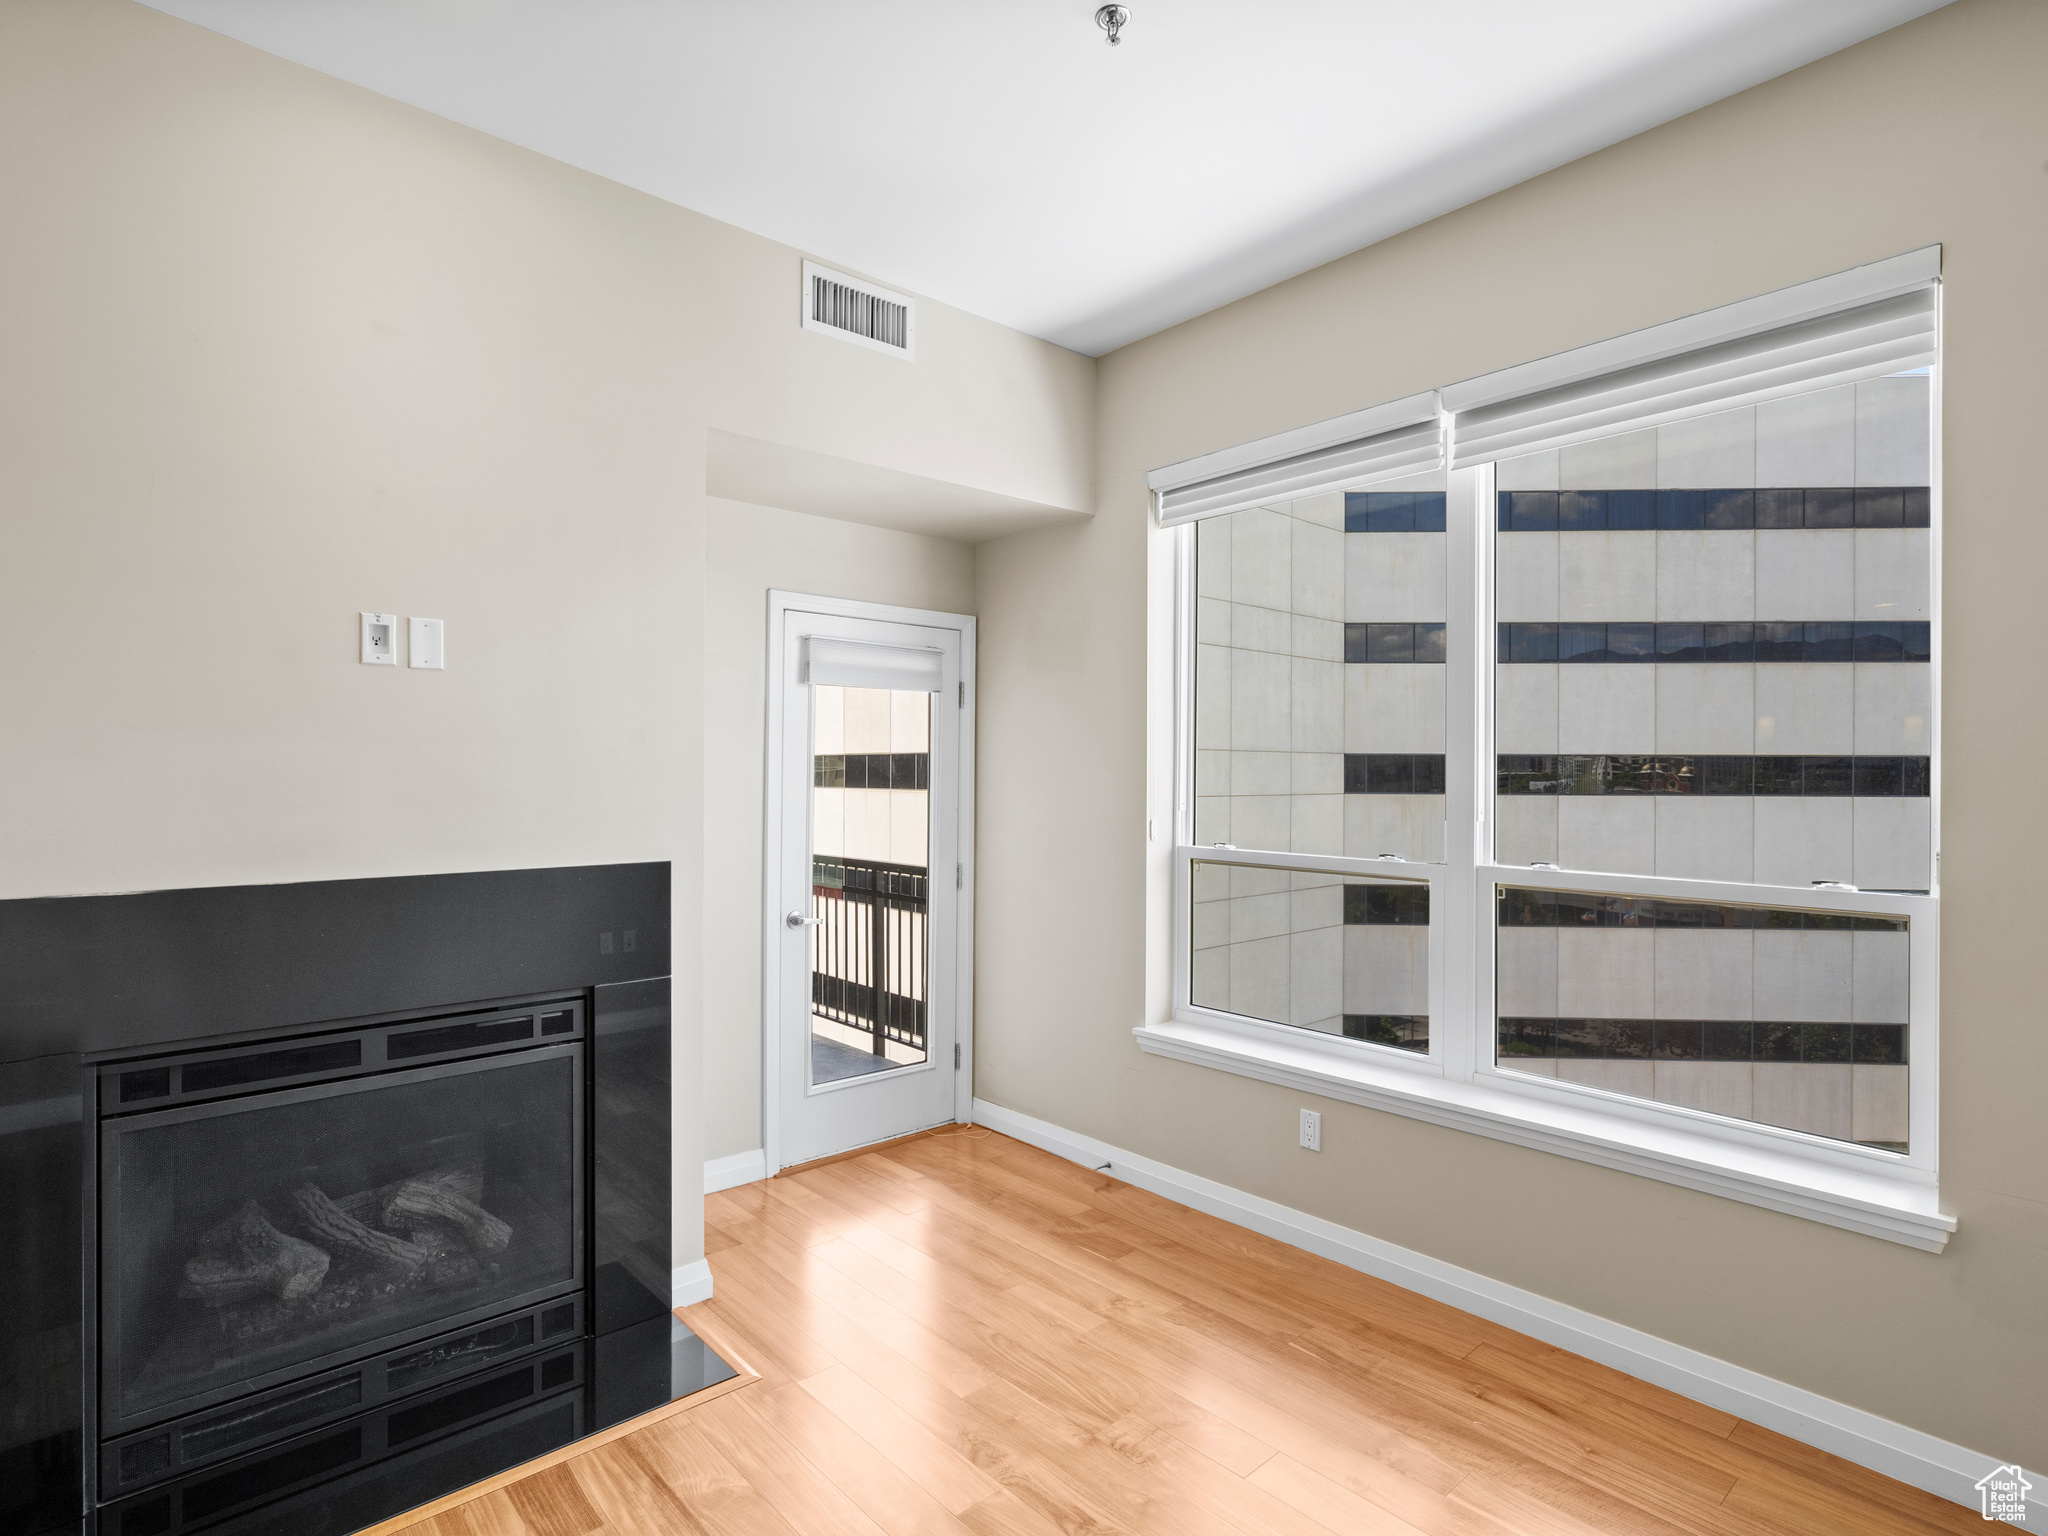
(859, 664)
(1403, 437)
(1860, 324)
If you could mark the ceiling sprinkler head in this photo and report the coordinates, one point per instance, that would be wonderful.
(1111, 19)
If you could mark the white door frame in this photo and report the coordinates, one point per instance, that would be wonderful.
(781, 604)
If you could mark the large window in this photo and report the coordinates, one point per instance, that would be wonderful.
(1588, 769)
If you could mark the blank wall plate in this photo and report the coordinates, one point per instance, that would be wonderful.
(424, 646)
(380, 639)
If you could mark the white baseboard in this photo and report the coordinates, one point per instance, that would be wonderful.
(740, 1168)
(690, 1283)
(1941, 1468)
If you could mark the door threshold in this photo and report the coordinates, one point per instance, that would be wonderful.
(873, 1146)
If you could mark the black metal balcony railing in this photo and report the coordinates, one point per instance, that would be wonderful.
(868, 949)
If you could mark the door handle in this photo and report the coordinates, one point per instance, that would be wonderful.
(798, 920)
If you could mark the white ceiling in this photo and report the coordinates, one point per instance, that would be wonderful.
(997, 155)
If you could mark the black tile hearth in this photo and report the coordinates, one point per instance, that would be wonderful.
(365, 1185)
(651, 1363)
(476, 1440)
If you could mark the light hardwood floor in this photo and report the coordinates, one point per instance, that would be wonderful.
(962, 1334)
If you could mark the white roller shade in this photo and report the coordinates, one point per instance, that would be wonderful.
(1881, 320)
(859, 664)
(1401, 438)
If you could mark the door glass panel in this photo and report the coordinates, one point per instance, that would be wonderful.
(870, 888)
(1319, 673)
(1769, 1014)
(1333, 953)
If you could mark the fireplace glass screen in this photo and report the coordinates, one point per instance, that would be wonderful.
(258, 1238)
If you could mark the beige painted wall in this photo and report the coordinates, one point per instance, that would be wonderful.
(277, 350)
(1935, 132)
(748, 552)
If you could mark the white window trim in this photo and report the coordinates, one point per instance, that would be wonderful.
(1860, 1189)
(1795, 1185)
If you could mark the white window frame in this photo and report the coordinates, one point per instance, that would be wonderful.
(1863, 1189)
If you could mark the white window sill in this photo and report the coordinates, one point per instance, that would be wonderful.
(1870, 1203)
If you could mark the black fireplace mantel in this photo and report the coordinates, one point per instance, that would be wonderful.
(160, 968)
(92, 979)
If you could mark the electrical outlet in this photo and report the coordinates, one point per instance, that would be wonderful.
(1312, 1130)
(380, 639)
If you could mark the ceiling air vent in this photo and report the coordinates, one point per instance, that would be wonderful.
(859, 312)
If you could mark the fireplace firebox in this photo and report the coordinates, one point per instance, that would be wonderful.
(271, 1217)
(317, 1219)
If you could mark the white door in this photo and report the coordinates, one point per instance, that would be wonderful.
(867, 876)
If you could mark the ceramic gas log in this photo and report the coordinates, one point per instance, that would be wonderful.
(245, 1256)
(426, 1224)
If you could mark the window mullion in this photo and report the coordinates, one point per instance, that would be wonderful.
(1463, 984)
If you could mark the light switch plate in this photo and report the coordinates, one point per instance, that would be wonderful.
(424, 647)
(380, 639)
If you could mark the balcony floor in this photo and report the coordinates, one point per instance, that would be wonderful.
(839, 1051)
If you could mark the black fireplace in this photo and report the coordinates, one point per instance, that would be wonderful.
(334, 1259)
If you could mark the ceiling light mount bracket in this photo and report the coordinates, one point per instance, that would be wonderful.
(1111, 18)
